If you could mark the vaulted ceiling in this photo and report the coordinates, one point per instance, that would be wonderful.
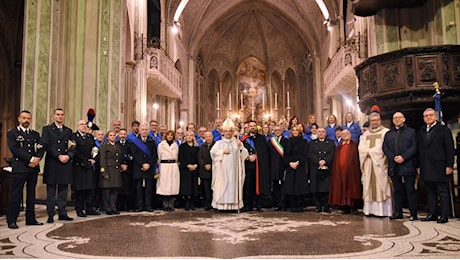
(223, 32)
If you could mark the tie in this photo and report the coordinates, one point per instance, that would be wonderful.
(27, 131)
(143, 140)
(83, 136)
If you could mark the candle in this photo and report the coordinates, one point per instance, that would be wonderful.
(241, 101)
(252, 103)
(288, 104)
(276, 100)
(263, 101)
(218, 101)
(230, 101)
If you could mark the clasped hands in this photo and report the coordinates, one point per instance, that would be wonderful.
(294, 165)
(35, 161)
(192, 167)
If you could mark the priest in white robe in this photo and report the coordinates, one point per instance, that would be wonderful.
(374, 168)
(228, 174)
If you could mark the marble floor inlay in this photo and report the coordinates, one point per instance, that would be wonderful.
(199, 233)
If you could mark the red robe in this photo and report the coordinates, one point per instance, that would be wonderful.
(346, 176)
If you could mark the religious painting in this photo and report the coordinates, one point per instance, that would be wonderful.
(251, 89)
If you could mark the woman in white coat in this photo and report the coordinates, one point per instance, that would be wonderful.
(169, 181)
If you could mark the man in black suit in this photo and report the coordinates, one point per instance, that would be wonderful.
(25, 145)
(257, 181)
(144, 153)
(84, 170)
(57, 140)
(436, 159)
(400, 147)
(276, 145)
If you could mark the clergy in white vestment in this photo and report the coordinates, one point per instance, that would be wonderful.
(374, 168)
(228, 157)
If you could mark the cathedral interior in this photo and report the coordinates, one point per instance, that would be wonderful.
(181, 61)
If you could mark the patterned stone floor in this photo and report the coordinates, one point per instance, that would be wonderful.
(202, 234)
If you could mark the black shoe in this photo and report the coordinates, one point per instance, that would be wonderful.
(443, 220)
(260, 210)
(81, 214)
(95, 213)
(13, 225)
(65, 217)
(246, 209)
(430, 218)
(109, 212)
(139, 210)
(355, 212)
(327, 211)
(116, 212)
(33, 223)
(397, 216)
(149, 209)
(413, 218)
(50, 219)
(318, 210)
(346, 211)
(208, 208)
(278, 209)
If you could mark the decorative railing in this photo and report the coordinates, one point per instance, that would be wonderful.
(163, 70)
(339, 76)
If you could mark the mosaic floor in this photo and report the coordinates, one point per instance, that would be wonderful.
(268, 234)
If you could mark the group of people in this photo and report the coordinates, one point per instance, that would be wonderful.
(233, 168)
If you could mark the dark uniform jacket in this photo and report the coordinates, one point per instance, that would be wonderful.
(111, 160)
(23, 147)
(139, 158)
(83, 171)
(406, 146)
(126, 177)
(320, 179)
(57, 142)
(204, 157)
(435, 152)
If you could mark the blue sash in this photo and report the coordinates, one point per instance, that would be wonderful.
(98, 143)
(140, 145)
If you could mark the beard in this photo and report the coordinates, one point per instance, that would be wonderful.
(25, 124)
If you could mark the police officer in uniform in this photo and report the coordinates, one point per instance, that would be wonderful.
(24, 144)
(84, 170)
(57, 140)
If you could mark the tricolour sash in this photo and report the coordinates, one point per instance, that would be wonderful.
(276, 144)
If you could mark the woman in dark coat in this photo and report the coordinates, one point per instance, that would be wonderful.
(296, 178)
(111, 167)
(188, 159)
